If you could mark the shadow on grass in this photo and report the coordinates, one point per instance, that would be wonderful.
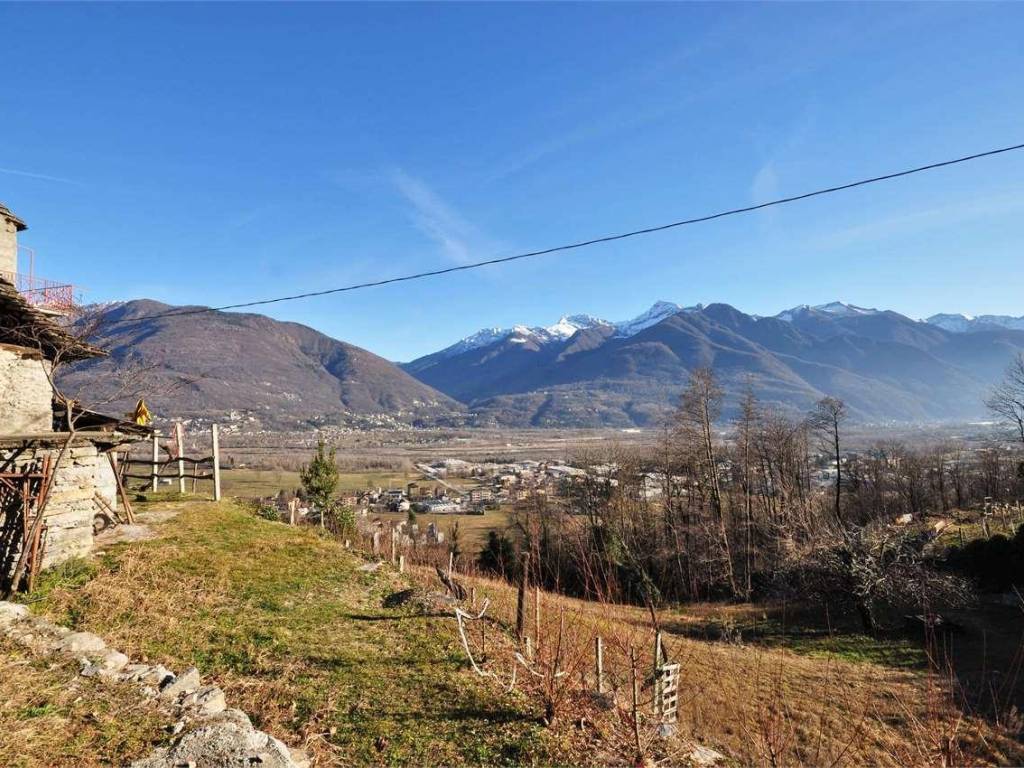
(894, 649)
(394, 617)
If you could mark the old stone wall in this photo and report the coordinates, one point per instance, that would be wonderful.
(25, 394)
(8, 246)
(83, 472)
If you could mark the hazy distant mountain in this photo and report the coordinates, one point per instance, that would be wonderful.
(969, 323)
(279, 374)
(885, 365)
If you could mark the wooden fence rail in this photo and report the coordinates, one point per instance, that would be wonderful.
(155, 468)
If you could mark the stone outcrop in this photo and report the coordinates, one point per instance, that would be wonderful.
(207, 733)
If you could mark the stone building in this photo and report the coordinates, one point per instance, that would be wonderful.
(10, 226)
(32, 429)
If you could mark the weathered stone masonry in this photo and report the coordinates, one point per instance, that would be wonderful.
(25, 392)
(84, 472)
(208, 734)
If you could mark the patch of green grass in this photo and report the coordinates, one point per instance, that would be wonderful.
(68, 576)
(897, 653)
(283, 620)
(39, 710)
(809, 640)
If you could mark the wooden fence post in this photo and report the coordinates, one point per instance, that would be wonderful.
(657, 673)
(156, 459)
(401, 563)
(524, 578)
(599, 663)
(216, 462)
(116, 469)
(179, 439)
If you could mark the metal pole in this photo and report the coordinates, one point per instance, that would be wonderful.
(599, 663)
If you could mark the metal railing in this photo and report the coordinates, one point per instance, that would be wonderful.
(44, 294)
(40, 293)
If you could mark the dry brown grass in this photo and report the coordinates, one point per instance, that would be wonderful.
(758, 705)
(50, 715)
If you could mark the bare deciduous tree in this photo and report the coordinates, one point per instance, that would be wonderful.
(699, 408)
(827, 419)
(1006, 401)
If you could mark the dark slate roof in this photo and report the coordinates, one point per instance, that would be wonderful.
(19, 225)
(23, 325)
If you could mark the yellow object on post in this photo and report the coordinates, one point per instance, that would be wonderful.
(142, 414)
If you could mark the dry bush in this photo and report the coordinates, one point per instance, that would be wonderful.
(759, 706)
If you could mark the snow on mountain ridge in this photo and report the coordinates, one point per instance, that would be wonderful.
(833, 308)
(568, 325)
(961, 323)
(565, 328)
(658, 312)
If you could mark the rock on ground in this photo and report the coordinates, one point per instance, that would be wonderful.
(704, 757)
(225, 744)
(187, 682)
(12, 612)
(82, 642)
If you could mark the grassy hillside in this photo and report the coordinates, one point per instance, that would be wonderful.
(298, 636)
(285, 623)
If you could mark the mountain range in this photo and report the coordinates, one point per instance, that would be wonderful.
(588, 371)
(580, 371)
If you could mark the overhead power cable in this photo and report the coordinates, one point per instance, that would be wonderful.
(581, 243)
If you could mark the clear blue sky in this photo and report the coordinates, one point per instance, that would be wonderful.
(211, 154)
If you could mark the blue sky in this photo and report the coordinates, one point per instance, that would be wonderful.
(209, 154)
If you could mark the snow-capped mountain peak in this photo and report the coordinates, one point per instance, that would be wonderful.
(658, 312)
(569, 325)
(833, 308)
(566, 327)
(481, 338)
(841, 309)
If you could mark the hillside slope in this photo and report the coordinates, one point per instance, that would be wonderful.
(305, 641)
(277, 373)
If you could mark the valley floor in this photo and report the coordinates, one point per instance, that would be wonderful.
(298, 636)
